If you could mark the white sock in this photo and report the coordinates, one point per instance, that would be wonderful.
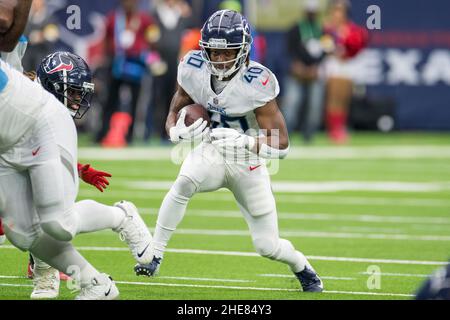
(94, 216)
(62, 256)
(294, 259)
(171, 213)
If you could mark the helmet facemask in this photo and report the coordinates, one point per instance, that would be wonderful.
(72, 95)
(221, 44)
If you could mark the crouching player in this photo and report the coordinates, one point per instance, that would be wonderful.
(39, 178)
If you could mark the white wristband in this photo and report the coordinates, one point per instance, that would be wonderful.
(268, 152)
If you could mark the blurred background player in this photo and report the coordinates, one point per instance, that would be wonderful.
(42, 32)
(240, 94)
(127, 42)
(348, 40)
(304, 89)
(171, 17)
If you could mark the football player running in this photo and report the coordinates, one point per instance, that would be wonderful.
(247, 128)
(38, 171)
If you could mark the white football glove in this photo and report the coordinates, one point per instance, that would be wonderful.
(232, 144)
(194, 132)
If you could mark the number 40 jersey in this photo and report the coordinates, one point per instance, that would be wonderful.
(252, 87)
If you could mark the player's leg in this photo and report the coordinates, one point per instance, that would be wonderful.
(54, 184)
(254, 196)
(62, 255)
(122, 218)
(339, 92)
(53, 173)
(202, 171)
(22, 226)
(315, 109)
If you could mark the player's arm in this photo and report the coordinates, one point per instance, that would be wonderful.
(276, 139)
(12, 28)
(179, 100)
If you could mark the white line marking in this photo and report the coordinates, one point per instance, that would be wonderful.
(320, 186)
(259, 288)
(314, 216)
(254, 254)
(204, 279)
(15, 285)
(414, 275)
(235, 288)
(319, 234)
(312, 152)
(272, 275)
(370, 293)
(224, 195)
(13, 277)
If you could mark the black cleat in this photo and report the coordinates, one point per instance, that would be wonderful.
(149, 270)
(309, 280)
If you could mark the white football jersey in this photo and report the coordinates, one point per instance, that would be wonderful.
(252, 87)
(21, 104)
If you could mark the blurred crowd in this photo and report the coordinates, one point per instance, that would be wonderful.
(136, 75)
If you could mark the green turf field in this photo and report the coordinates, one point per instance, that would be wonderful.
(379, 204)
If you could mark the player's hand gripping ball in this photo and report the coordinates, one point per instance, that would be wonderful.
(192, 124)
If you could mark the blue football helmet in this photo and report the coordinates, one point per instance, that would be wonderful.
(226, 29)
(68, 77)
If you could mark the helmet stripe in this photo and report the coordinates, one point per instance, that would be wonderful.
(220, 20)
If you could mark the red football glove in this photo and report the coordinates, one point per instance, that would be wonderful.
(93, 177)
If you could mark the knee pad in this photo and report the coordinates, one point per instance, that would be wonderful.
(21, 240)
(63, 227)
(183, 189)
(266, 247)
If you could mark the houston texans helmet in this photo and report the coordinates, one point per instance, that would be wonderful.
(68, 77)
(225, 29)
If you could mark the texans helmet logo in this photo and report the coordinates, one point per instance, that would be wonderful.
(56, 66)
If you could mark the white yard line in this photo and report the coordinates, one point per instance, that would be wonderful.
(413, 275)
(15, 285)
(225, 196)
(254, 254)
(319, 234)
(204, 279)
(313, 152)
(259, 288)
(160, 277)
(273, 275)
(313, 216)
(160, 284)
(319, 186)
(12, 277)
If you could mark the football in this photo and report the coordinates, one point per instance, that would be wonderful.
(193, 112)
